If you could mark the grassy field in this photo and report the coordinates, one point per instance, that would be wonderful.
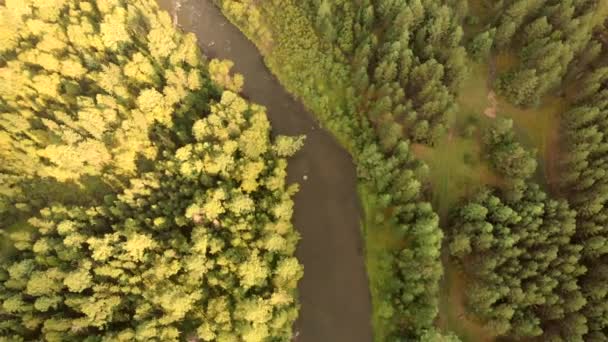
(538, 129)
(453, 316)
(456, 171)
(456, 162)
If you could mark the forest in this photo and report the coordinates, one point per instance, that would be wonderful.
(498, 210)
(143, 197)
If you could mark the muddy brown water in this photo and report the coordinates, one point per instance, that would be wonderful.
(334, 293)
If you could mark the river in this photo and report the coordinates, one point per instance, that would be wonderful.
(334, 293)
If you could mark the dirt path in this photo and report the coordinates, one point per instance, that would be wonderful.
(334, 293)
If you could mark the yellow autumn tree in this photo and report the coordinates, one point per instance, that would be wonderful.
(179, 247)
(83, 99)
(219, 70)
(144, 201)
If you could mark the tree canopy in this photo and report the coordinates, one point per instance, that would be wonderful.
(139, 199)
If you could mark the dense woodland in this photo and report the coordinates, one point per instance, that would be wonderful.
(407, 61)
(141, 198)
(538, 264)
(390, 71)
(400, 48)
(411, 295)
(585, 182)
(552, 40)
(517, 244)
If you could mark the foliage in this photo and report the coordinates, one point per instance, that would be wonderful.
(585, 180)
(249, 17)
(219, 71)
(523, 263)
(83, 88)
(184, 250)
(384, 161)
(397, 48)
(481, 45)
(71, 86)
(551, 38)
(523, 252)
(187, 234)
(506, 154)
(409, 299)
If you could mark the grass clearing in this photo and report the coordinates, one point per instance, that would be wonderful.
(505, 61)
(473, 97)
(453, 316)
(456, 171)
(538, 128)
(457, 166)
